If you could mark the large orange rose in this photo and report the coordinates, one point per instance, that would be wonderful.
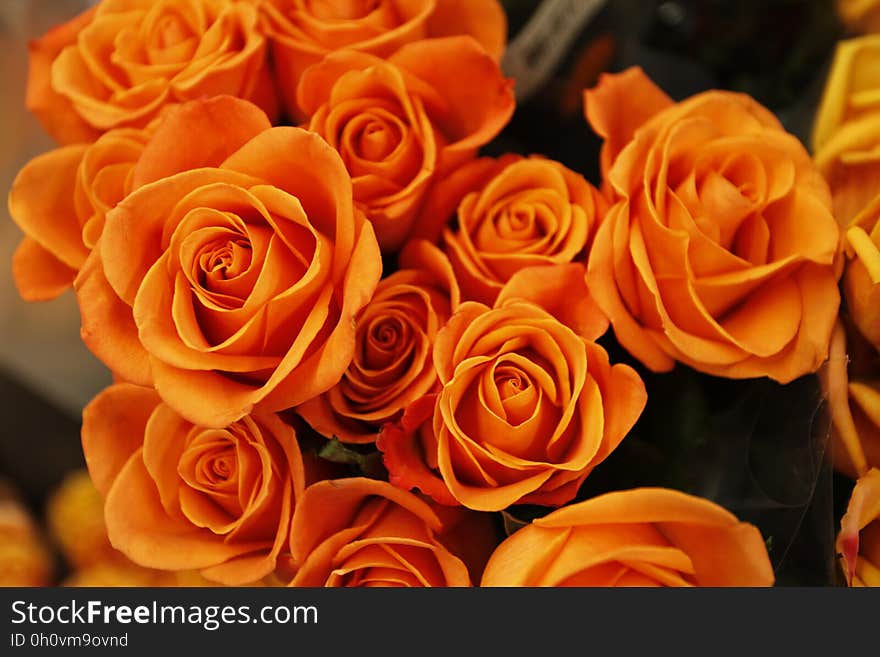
(120, 63)
(392, 365)
(366, 532)
(181, 496)
(509, 214)
(846, 132)
(303, 31)
(528, 406)
(402, 123)
(59, 199)
(859, 540)
(720, 246)
(639, 537)
(231, 276)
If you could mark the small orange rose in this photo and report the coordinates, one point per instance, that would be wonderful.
(392, 364)
(59, 199)
(528, 406)
(180, 496)
(401, 124)
(510, 214)
(230, 277)
(120, 63)
(719, 249)
(639, 537)
(859, 540)
(366, 532)
(303, 32)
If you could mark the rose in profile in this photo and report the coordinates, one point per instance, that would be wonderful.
(861, 277)
(230, 277)
(59, 199)
(853, 391)
(846, 132)
(180, 496)
(638, 537)
(302, 33)
(528, 405)
(118, 64)
(720, 247)
(392, 364)
(365, 532)
(859, 540)
(403, 123)
(508, 214)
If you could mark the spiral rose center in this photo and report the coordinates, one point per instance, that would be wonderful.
(226, 260)
(523, 222)
(378, 140)
(170, 31)
(167, 38)
(386, 338)
(510, 381)
(215, 468)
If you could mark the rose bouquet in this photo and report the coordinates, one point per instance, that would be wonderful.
(351, 347)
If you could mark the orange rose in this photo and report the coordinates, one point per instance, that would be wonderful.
(512, 213)
(392, 364)
(59, 199)
(859, 540)
(528, 406)
(854, 402)
(846, 132)
(402, 123)
(303, 32)
(180, 496)
(720, 246)
(366, 532)
(639, 537)
(231, 276)
(119, 64)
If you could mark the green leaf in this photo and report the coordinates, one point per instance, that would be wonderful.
(367, 463)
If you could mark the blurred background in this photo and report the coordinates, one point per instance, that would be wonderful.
(760, 449)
